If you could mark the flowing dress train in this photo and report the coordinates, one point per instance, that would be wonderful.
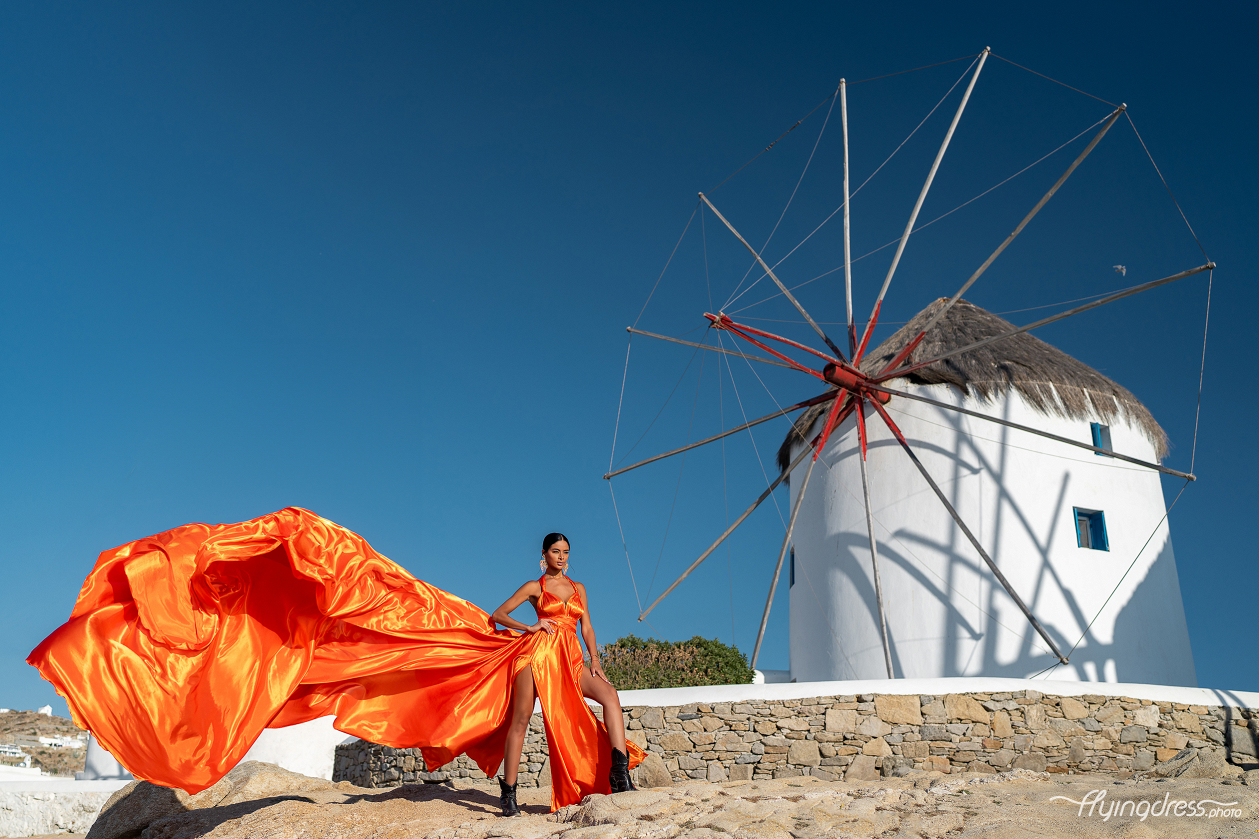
(184, 646)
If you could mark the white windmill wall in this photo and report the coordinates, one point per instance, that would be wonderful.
(947, 615)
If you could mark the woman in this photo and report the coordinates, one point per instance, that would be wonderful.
(184, 646)
(554, 660)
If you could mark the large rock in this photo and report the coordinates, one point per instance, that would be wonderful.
(652, 718)
(653, 773)
(1242, 743)
(1133, 734)
(961, 707)
(1034, 761)
(1035, 718)
(899, 710)
(252, 781)
(873, 727)
(1074, 709)
(804, 753)
(1001, 758)
(876, 747)
(841, 720)
(140, 804)
(1187, 721)
(1193, 763)
(621, 808)
(862, 768)
(896, 767)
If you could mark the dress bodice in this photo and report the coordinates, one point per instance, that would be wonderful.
(551, 607)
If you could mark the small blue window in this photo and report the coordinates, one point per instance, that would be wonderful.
(1101, 437)
(1090, 529)
(793, 567)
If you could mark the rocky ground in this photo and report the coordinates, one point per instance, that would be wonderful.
(24, 728)
(259, 801)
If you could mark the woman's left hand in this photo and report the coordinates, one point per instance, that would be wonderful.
(597, 672)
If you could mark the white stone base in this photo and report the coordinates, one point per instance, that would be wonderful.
(38, 807)
(665, 697)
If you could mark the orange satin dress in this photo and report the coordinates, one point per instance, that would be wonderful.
(184, 646)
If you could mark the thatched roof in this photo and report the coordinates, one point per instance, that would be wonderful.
(1047, 378)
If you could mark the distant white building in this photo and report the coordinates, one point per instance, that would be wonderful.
(46, 711)
(1062, 523)
(62, 742)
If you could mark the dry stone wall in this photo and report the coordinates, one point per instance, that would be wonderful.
(859, 737)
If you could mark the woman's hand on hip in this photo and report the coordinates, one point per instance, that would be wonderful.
(543, 624)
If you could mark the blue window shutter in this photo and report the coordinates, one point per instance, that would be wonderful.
(1098, 522)
(1101, 437)
(1090, 529)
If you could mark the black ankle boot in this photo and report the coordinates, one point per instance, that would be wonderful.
(618, 776)
(507, 797)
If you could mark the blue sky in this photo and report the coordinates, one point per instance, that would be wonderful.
(377, 261)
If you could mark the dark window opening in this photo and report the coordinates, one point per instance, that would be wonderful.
(1090, 529)
(1101, 437)
(792, 573)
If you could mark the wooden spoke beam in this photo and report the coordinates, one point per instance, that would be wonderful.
(852, 332)
(909, 348)
(764, 495)
(777, 281)
(1110, 298)
(709, 347)
(874, 558)
(826, 397)
(913, 216)
(1086, 446)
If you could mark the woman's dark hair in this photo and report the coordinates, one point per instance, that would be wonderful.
(551, 538)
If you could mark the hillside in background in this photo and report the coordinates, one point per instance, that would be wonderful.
(24, 728)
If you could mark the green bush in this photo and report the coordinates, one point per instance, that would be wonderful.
(632, 663)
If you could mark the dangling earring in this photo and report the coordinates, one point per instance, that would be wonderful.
(542, 564)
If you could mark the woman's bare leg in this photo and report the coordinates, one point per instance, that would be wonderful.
(521, 711)
(603, 693)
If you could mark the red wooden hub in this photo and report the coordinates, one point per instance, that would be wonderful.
(854, 387)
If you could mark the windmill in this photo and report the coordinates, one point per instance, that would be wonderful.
(860, 389)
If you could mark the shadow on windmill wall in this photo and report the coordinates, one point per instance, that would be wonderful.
(1144, 662)
(1137, 654)
(1150, 643)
